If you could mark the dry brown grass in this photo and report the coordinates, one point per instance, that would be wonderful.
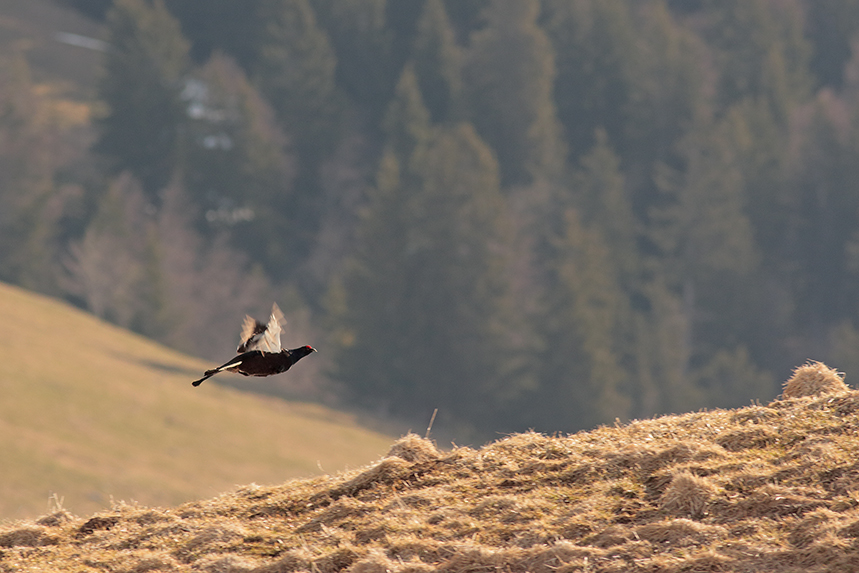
(762, 488)
(813, 378)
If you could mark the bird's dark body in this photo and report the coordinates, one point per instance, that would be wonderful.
(259, 352)
(260, 363)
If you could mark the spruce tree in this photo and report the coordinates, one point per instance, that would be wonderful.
(31, 153)
(831, 27)
(295, 70)
(438, 63)
(599, 190)
(668, 90)
(426, 312)
(631, 70)
(824, 214)
(428, 309)
(367, 69)
(596, 58)
(762, 52)
(709, 260)
(591, 271)
(237, 164)
(143, 77)
(406, 124)
(510, 73)
(582, 380)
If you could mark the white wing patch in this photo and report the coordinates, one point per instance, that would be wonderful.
(228, 366)
(255, 336)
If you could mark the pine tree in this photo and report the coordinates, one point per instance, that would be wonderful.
(295, 69)
(426, 308)
(599, 191)
(708, 263)
(582, 381)
(222, 26)
(144, 71)
(237, 165)
(631, 70)
(596, 58)
(105, 267)
(407, 122)
(831, 27)
(510, 73)
(669, 88)
(824, 213)
(30, 152)
(367, 69)
(438, 63)
(762, 52)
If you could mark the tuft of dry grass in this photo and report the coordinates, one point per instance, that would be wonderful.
(765, 488)
(813, 378)
(688, 495)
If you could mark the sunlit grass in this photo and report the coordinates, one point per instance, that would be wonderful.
(91, 412)
(762, 488)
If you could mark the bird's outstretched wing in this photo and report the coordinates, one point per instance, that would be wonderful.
(252, 330)
(259, 336)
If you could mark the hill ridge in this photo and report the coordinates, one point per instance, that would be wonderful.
(91, 411)
(763, 488)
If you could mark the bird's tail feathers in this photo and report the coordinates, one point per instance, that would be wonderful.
(209, 373)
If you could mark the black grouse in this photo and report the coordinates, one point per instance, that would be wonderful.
(259, 353)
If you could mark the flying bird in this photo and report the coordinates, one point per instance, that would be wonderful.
(260, 353)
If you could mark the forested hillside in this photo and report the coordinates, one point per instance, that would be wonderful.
(539, 214)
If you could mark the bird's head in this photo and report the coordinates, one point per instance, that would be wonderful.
(302, 351)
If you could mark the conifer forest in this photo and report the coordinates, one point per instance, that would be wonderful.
(545, 214)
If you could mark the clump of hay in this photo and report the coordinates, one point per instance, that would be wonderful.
(385, 472)
(376, 561)
(688, 495)
(27, 537)
(56, 519)
(414, 448)
(814, 378)
(680, 532)
(817, 524)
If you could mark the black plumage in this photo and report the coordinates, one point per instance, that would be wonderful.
(260, 353)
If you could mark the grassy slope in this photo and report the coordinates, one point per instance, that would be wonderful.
(763, 488)
(89, 411)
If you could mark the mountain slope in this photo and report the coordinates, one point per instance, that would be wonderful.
(762, 488)
(90, 412)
